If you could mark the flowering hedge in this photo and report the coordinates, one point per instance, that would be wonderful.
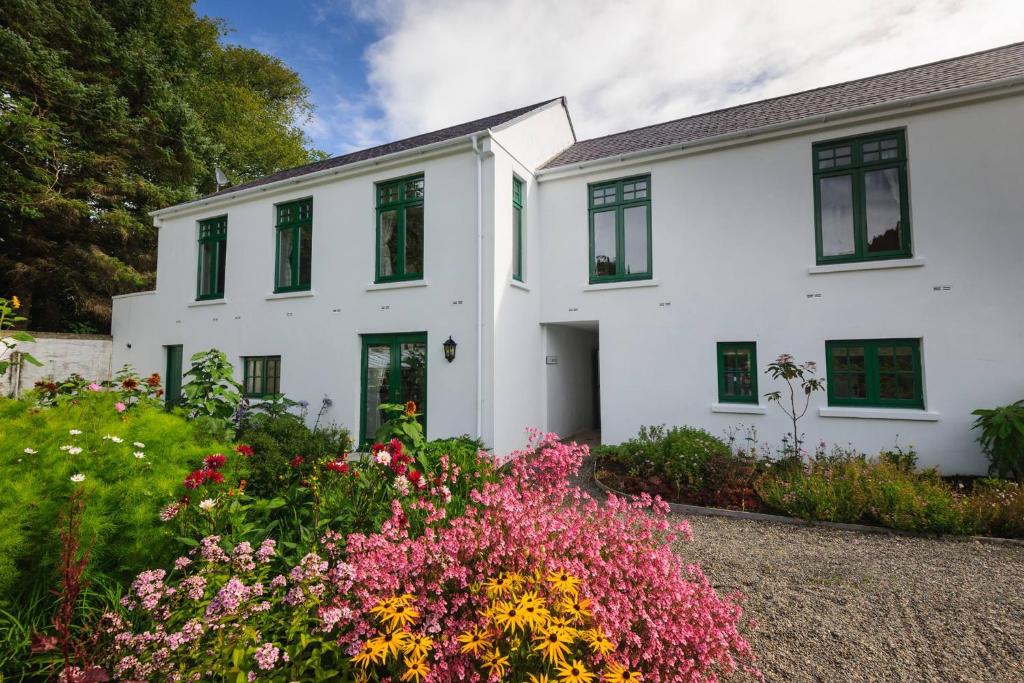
(228, 614)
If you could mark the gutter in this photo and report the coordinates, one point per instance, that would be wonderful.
(755, 133)
(479, 153)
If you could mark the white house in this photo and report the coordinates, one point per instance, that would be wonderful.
(875, 227)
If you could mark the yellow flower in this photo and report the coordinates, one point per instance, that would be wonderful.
(616, 673)
(574, 672)
(564, 581)
(498, 587)
(495, 663)
(553, 644)
(535, 614)
(362, 677)
(598, 642)
(418, 646)
(416, 669)
(15, 303)
(509, 617)
(577, 608)
(391, 642)
(400, 615)
(371, 653)
(474, 640)
(543, 678)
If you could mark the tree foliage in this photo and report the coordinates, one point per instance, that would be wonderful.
(110, 109)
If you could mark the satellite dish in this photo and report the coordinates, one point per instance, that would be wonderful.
(222, 179)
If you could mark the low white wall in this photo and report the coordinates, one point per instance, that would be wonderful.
(61, 354)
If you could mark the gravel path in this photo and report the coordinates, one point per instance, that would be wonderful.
(848, 606)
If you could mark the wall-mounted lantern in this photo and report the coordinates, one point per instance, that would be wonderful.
(449, 349)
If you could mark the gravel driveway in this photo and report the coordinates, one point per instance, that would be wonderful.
(848, 606)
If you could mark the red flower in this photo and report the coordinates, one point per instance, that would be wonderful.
(184, 500)
(194, 479)
(296, 461)
(243, 449)
(338, 466)
(415, 478)
(398, 468)
(215, 461)
(410, 408)
(214, 476)
(395, 446)
(153, 380)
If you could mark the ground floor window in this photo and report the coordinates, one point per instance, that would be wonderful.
(394, 371)
(262, 376)
(737, 372)
(875, 373)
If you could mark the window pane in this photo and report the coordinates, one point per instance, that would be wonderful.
(378, 385)
(254, 376)
(412, 374)
(836, 195)
(222, 253)
(305, 254)
(284, 257)
(414, 240)
(882, 204)
(206, 256)
(517, 236)
(635, 236)
(273, 376)
(604, 243)
(388, 243)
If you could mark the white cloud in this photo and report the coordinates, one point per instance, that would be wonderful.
(629, 64)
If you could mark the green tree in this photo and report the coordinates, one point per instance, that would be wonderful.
(110, 109)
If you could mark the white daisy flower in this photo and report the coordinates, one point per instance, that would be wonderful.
(29, 451)
(78, 478)
(139, 444)
(74, 450)
(207, 504)
(66, 448)
(139, 454)
(74, 432)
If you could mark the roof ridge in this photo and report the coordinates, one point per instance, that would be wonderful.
(804, 92)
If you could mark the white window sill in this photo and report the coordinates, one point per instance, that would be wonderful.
(291, 295)
(208, 302)
(880, 414)
(628, 284)
(383, 286)
(867, 265)
(518, 285)
(738, 408)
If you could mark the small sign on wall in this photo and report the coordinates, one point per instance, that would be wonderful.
(551, 360)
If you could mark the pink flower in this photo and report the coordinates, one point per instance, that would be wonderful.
(121, 407)
(94, 387)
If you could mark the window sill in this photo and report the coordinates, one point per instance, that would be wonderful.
(518, 285)
(207, 302)
(626, 284)
(379, 286)
(881, 414)
(867, 265)
(738, 408)
(303, 294)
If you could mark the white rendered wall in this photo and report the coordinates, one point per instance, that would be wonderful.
(733, 240)
(61, 355)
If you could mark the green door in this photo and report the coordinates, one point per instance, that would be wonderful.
(394, 371)
(173, 378)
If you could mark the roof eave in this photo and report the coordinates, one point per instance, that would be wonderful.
(762, 131)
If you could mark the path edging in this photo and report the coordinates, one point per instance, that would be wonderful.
(684, 508)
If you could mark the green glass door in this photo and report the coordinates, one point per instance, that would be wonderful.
(394, 371)
(172, 381)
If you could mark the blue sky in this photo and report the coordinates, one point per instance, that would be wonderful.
(379, 70)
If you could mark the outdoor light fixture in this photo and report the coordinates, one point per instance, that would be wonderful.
(449, 349)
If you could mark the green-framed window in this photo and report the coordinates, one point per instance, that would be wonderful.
(620, 230)
(518, 226)
(294, 253)
(394, 370)
(400, 229)
(261, 376)
(861, 202)
(737, 372)
(213, 249)
(883, 373)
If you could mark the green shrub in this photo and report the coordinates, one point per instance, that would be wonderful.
(995, 508)
(124, 493)
(677, 455)
(212, 390)
(1002, 439)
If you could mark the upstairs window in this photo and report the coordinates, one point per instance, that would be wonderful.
(620, 230)
(883, 373)
(860, 199)
(262, 376)
(737, 372)
(400, 230)
(213, 247)
(517, 229)
(294, 261)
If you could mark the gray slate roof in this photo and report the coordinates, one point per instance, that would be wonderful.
(973, 69)
(450, 133)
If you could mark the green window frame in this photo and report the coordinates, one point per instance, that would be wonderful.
(860, 186)
(737, 372)
(400, 229)
(293, 253)
(261, 376)
(614, 209)
(212, 258)
(875, 373)
(393, 375)
(518, 227)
